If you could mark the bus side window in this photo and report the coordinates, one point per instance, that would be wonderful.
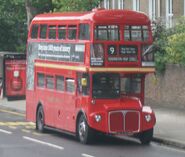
(70, 85)
(50, 82)
(43, 31)
(34, 31)
(84, 33)
(62, 32)
(52, 32)
(83, 84)
(72, 30)
(40, 80)
(60, 83)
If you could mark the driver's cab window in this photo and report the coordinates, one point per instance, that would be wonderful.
(131, 84)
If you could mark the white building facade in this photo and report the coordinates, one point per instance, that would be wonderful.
(167, 10)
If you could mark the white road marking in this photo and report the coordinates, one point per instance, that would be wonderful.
(6, 132)
(87, 155)
(42, 142)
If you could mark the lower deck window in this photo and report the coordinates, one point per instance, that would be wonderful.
(60, 83)
(70, 85)
(50, 82)
(40, 80)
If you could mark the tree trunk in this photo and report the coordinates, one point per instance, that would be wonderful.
(30, 11)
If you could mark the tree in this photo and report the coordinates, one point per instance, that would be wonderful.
(75, 5)
(15, 16)
(12, 25)
(34, 7)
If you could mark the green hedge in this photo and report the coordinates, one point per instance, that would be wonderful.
(169, 45)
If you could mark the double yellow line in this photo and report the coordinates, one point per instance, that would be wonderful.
(12, 112)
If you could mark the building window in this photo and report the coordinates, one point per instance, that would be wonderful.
(169, 13)
(106, 4)
(136, 4)
(152, 9)
(113, 4)
(120, 4)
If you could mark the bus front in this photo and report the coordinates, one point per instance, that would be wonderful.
(120, 57)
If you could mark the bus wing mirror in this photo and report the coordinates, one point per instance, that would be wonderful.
(84, 82)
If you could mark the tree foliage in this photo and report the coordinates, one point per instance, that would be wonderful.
(12, 25)
(75, 5)
(13, 21)
(169, 44)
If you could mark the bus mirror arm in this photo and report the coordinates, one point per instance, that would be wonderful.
(148, 50)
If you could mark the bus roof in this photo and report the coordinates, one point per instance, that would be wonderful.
(96, 16)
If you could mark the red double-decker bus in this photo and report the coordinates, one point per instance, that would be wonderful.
(86, 73)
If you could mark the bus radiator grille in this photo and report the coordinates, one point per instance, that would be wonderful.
(124, 121)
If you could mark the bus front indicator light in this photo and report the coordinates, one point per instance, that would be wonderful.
(97, 118)
(93, 101)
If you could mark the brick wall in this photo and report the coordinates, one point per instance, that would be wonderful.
(166, 90)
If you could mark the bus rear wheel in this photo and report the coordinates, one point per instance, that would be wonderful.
(84, 132)
(40, 119)
(146, 137)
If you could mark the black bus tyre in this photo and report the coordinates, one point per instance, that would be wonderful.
(84, 132)
(40, 119)
(146, 137)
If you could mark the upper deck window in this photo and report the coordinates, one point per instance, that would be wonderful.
(136, 33)
(84, 32)
(52, 32)
(34, 31)
(62, 32)
(72, 30)
(43, 31)
(109, 32)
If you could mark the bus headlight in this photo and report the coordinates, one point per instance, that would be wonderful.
(148, 117)
(97, 117)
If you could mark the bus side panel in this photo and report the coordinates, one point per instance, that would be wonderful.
(30, 106)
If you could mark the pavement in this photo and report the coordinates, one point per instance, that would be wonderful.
(169, 128)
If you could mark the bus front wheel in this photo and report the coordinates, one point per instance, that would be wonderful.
(146, 136)
(84, 132)
(40, 119)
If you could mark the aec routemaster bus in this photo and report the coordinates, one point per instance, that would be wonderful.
(86, 73)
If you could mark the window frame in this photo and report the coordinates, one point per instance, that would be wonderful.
(70, 28)
(56, 32)
(59, 90)
(44, 81)
(108, 31)
(70, 80)
(32, 31)
(40, 31)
